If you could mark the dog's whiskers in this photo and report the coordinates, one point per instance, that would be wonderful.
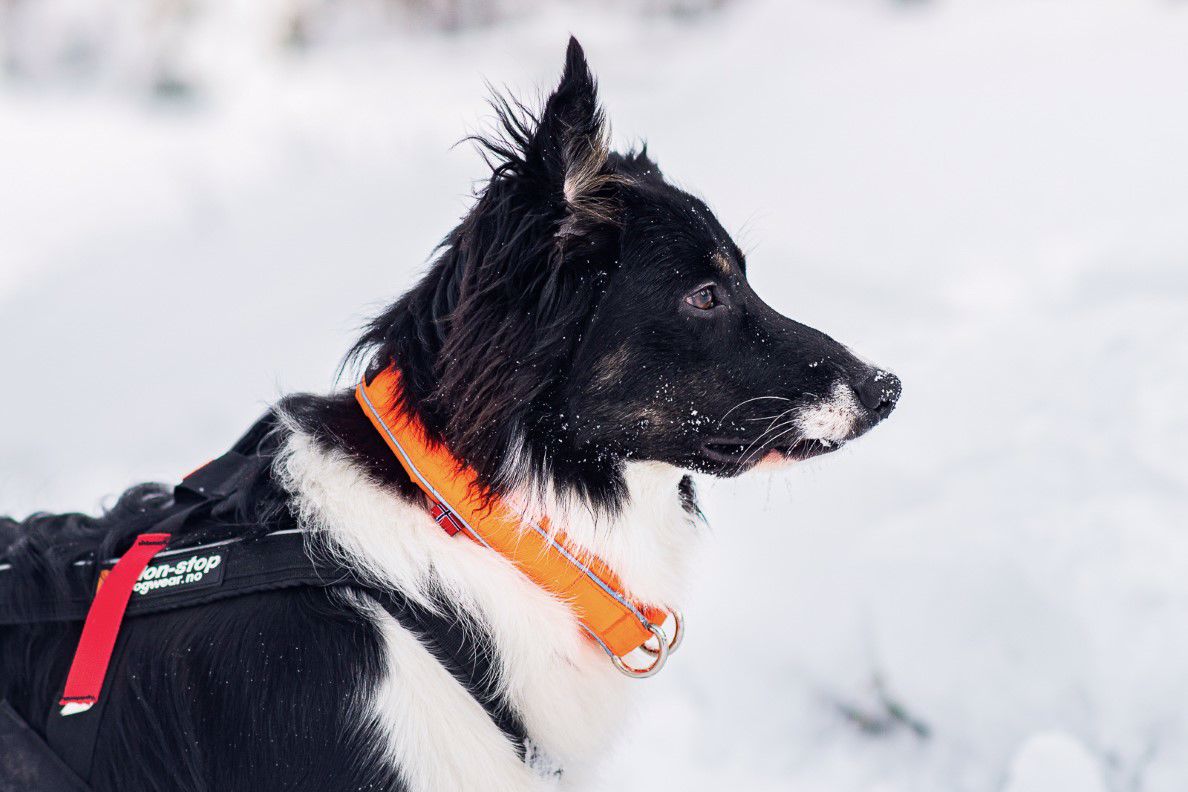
(775, 420)
(748, 401)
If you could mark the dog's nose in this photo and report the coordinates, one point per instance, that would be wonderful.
(879, 392)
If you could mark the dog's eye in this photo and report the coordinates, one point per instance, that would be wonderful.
(703, 298)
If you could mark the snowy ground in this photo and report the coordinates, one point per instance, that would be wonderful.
(987, 594)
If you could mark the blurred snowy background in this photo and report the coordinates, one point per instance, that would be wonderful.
(200, 201)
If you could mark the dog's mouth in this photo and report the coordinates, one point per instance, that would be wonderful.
(742, 454)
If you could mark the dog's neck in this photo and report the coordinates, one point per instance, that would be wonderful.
(571, 698)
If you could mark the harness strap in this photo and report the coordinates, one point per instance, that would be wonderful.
(85, 680)
(198, 575)
(71, 730)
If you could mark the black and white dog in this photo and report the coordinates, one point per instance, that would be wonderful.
(585, 340)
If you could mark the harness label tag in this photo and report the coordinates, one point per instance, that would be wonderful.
(202, 569)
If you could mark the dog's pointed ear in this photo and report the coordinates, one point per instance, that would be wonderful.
(571, 144)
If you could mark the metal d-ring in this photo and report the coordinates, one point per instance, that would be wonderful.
(678, 635)
(661, 657)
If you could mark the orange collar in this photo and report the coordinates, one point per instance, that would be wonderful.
(621, 627)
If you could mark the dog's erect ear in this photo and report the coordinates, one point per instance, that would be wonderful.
(519, 278)
(570, 146)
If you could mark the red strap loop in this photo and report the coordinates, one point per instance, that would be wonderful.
(89, 667)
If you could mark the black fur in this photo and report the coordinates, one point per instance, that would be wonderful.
(552, 341)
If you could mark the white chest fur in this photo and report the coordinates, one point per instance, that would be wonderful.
(570, 698)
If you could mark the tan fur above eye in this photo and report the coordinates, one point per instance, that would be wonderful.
(721, 262)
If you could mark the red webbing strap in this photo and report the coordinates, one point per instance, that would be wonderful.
(89, 667)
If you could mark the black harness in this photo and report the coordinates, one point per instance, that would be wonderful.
(190, 576)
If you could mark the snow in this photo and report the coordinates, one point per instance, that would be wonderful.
(986, 594)
(1054, 761)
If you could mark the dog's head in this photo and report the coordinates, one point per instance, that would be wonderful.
(587, 313)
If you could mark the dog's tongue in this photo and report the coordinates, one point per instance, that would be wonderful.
(773, 458)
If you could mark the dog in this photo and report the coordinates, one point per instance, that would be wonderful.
(584, 341)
